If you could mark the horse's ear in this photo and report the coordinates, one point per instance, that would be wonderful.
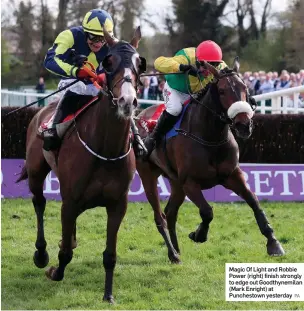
(236, 64)
(111, 41)
(210, 68)
(136, 38)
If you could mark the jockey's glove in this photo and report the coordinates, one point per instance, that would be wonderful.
(188, 68)
(82, 74)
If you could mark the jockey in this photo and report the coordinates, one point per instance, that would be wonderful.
(177, 87)
(65, 58)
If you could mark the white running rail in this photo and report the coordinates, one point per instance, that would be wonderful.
(283, 101)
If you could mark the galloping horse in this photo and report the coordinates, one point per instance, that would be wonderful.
(204, 154)
(95, 164)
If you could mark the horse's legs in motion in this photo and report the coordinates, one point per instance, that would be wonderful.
(236, 183)
(69, 214)
(36, 177)
(193, 191)
(176, 199)
(149, 177)
(116, 214)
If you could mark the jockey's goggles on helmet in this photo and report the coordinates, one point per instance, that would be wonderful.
(95, 38)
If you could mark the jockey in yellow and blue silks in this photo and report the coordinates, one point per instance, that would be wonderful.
(65, 58)
(177, 87)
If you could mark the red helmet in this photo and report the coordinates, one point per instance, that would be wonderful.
(209, 51)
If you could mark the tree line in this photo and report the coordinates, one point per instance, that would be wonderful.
(248, 28)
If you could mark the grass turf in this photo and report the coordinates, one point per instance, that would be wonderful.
(144, 277)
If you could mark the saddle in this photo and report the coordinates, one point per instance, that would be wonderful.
(65, 124)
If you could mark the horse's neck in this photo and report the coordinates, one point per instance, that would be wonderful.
(203, 123)
(107, 133)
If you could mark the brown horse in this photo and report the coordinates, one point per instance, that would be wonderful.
(95, 164)
(205, 154)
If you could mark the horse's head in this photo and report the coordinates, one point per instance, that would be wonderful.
(123, 66)
(233, 97)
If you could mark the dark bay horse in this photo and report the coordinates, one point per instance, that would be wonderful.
(203, 155)
(95, 164)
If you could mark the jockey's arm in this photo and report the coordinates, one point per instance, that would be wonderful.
(54, 59)
(170, 64)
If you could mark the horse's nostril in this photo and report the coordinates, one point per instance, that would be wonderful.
(135, 102)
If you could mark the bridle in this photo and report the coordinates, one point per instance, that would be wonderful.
(124, 79)
(222, 115)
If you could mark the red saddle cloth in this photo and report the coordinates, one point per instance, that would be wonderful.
(148, 121)
(46, 122)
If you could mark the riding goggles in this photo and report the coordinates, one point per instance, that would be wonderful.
(95, 38)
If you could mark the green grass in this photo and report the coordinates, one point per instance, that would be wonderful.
(144, 278)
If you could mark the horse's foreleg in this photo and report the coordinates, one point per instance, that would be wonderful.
(176, 199)
(194, 193)
(149, 180)
(116, 214)
(236, 182)
(65, 255)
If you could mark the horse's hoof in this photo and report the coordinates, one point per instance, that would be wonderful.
(41, 260)
(274, 248)
(74, 244)
(197, 239)
(109, 299)
(174, 258)
(52, 274)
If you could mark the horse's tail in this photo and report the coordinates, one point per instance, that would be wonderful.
(23, 174)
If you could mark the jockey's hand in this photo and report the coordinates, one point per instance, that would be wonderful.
(188, 68)
(83, 74)
(101, 79)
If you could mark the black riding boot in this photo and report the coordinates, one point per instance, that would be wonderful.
(138, 145)
(50, 136)
(163, 125)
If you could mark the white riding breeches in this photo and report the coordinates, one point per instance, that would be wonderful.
(174, 100)
(78, 88)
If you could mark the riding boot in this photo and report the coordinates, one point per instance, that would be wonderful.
(50, 136)
(138, 145)
(164, 124)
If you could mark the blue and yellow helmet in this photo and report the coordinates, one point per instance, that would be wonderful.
(95, 20)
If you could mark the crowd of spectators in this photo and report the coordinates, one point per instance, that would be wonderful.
(262, 82)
